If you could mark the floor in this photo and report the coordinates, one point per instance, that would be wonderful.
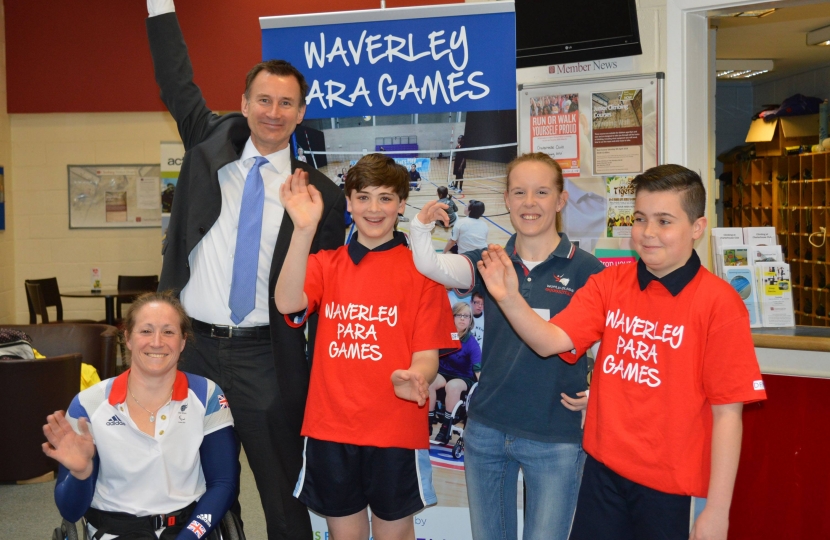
(28, 512)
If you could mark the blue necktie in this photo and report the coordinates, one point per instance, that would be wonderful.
(246, 257)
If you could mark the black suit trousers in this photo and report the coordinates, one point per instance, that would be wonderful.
(244, 370)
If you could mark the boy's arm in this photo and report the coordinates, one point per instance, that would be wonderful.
(544, 338)
(727, 428)
(413, 384)
(304, 205)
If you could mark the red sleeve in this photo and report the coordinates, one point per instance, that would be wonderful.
(584, 317)
(730, 368)
(313, 289)
(434, 325)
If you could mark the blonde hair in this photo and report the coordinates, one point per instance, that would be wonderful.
(457, 309)
(539, 157)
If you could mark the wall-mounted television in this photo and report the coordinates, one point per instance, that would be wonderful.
(564, 31)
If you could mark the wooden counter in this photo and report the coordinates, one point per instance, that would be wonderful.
(800, 338)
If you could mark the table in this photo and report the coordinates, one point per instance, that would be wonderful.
(109, 296)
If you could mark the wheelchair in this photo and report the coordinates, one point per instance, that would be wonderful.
(229, 528)
(459, 418)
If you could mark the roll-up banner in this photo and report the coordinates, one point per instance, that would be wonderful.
(374, 76)
(457, 57)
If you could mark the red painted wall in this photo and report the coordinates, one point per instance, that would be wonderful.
(783, 485)
(93, 56)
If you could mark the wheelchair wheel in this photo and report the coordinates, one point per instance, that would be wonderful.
(458, 449)
(230, 528)
(66, 531)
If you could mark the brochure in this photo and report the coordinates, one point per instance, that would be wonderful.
(743, 281)
(761, 253)
(775, 293)
(722, 236)
(765, 236)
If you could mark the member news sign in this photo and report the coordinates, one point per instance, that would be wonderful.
(457, 57)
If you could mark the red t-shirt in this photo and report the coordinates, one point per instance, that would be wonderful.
(663, 362)
(372, 317)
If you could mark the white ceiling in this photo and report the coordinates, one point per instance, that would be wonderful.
(780, 37)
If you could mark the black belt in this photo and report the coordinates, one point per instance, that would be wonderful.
(120, 523)
(228, 332)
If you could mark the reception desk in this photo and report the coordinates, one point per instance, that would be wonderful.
(783, 485)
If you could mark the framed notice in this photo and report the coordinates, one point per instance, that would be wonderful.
(114, 196)
(602, 132)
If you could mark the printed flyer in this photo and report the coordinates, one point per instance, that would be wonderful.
(620, 195)
(617, 122)
(554, 129)
(775, 293)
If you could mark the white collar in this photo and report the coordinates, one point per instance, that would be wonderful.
(280, 160)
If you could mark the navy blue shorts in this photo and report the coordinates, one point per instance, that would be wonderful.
(612, 507)
(339, 480)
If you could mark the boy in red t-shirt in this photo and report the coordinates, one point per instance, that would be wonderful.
(676, 363)
(381, 324)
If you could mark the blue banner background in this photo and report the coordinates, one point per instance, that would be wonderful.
(491, 51)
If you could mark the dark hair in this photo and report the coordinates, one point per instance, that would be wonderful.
(164, 297)
(376, 170)
(477, 295)
(475, 209)
(443, 192)
(281, 68)
(679, 179)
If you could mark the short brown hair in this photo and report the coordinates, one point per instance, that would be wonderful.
(679, 179)
(164, 297)
(277, 67)
(376, 170)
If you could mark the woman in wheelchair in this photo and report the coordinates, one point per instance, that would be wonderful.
(457, 372)
(151, 453)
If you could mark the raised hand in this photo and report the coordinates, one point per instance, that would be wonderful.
(498, 273)
(434, 211)
(73, 451)
(411, 386)
(301, 200)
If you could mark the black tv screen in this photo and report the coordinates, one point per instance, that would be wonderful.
(564, 31)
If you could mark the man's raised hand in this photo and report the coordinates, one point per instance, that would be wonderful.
(302, 201)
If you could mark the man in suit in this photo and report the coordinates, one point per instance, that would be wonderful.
(225, 246)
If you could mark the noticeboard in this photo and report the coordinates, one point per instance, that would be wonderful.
(114, 196)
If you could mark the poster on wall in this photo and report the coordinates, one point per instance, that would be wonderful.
(617, 131)
(172, 154)
(554, 129)
(113, 196)
(620, 195)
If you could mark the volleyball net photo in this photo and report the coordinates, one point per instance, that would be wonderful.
(462, 170)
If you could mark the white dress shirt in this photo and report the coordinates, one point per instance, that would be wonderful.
(206, 295)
